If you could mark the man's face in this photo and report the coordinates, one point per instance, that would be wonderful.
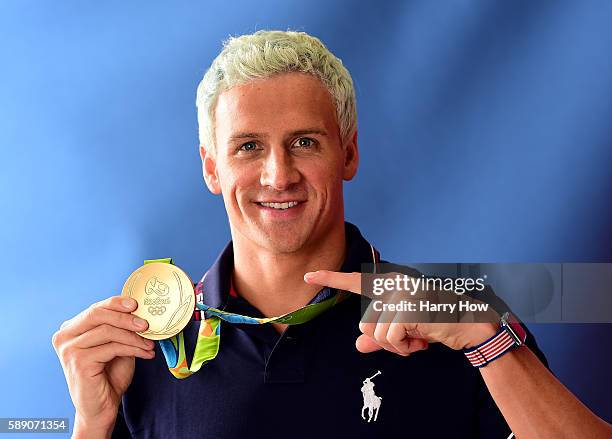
(278, 142)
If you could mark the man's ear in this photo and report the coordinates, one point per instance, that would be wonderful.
(209, 170)
(351, 157)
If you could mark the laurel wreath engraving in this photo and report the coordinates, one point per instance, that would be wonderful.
(180, 311)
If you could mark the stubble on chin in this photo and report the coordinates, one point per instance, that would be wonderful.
(279, 239)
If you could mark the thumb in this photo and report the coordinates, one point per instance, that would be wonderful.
(366, 344)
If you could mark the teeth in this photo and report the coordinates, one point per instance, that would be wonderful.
(280, 205)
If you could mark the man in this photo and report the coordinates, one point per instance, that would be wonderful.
(278, 137)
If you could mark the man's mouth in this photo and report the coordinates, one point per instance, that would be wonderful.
(279, 206)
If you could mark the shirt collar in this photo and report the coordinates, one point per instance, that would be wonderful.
(216, 282)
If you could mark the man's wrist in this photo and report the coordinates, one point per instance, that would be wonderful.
(480, 333)
(82, 429)
(509, 335)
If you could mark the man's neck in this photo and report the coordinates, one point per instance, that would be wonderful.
(273, 282)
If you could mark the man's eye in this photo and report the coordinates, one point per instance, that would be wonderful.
(249, 146)
(304, 142)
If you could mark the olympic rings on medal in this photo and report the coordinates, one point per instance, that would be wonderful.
(156, 310)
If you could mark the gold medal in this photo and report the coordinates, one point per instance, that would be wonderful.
(165, 297)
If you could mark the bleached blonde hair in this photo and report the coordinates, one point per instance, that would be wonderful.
(267, 53)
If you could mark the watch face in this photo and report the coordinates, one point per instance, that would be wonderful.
(516, 327)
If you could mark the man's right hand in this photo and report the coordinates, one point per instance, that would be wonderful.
(97, 350)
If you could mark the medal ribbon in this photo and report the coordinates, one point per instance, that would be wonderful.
(207, 345)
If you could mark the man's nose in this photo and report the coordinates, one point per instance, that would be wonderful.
(279, 171)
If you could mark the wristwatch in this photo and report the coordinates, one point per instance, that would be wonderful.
(510, 336)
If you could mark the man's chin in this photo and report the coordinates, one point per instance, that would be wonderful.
(283, 241)
(277, 245)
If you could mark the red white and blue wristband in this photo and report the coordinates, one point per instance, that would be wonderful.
(510, 336)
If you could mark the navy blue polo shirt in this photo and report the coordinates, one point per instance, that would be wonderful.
(307, 382)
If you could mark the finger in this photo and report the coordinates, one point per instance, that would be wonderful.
(390, 300)
(109, 351)
(367, 328)
(382, 307)
(366, 344)
(111, 312)
(418, 344)
(381, 337)
(374, 338)
(105, 333)
(372, 314)
(114, 303)
(335, 279)
(399, 338)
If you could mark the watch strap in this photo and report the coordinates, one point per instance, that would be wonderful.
(491, 349)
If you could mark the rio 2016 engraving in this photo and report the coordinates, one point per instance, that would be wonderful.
(157, 301)
(154, 285)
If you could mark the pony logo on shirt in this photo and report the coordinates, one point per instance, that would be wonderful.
(370, 400)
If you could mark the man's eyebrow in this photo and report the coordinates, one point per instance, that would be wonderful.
(309, 131)
(246, 135)
(253, 135)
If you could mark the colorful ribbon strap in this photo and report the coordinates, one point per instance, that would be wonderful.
(207, 344)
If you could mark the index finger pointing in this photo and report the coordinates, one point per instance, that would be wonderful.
(335, 279)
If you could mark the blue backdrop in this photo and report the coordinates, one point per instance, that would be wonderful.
(484, 131)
